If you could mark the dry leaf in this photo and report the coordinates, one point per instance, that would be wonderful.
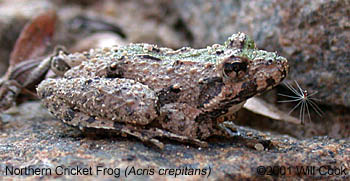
(35, 38)
(261, 107)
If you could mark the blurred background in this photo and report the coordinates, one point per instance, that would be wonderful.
(313, 35)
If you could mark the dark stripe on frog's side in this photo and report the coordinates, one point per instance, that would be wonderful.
(209, 88)
(149, 57)
(249, 89)
(167, 95)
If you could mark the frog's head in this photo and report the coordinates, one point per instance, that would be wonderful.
(247, 71)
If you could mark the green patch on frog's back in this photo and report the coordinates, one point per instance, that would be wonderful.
(185, 54)
(210, 54)
(254, 54)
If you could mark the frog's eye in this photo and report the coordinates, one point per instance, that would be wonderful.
(235, 66)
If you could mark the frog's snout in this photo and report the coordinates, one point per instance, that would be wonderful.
(269, 72)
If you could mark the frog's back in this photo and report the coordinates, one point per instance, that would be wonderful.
(168, 72)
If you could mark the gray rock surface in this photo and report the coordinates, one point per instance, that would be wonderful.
(34, 139)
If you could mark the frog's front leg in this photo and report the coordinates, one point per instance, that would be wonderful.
(83, 120)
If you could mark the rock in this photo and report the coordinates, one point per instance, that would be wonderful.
(36, 140)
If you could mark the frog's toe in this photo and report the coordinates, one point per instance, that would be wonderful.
(184, 139)
(230, 128)
(140, 134)
(144, 137)
(156, 143)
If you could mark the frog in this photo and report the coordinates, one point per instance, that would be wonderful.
(151, 92)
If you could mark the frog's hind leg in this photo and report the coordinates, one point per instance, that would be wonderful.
(117, 99)
(149, 135)
(143, 134)
(123, 129)
(84, 121)
(120, 105)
